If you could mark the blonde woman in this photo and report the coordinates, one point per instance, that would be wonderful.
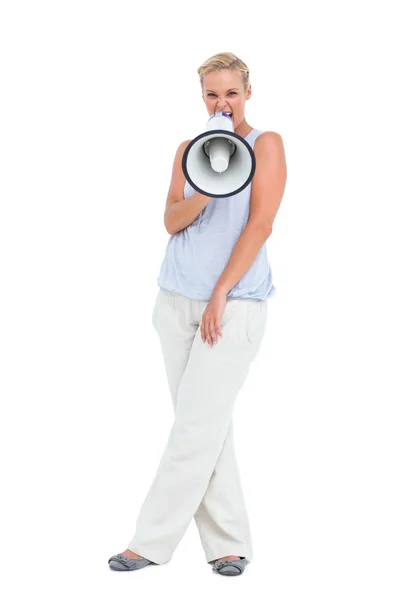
(210, 315)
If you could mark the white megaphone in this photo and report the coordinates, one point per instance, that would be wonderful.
(218, 162)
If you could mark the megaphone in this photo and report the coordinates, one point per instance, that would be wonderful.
(219, 163)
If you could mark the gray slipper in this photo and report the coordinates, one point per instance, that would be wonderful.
(230, 567)
(119, 562)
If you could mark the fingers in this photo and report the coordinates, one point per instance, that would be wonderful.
(210, 328)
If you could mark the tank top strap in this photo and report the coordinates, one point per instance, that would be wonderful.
(253, 135)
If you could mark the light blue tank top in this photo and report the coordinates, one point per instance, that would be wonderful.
(197, 255)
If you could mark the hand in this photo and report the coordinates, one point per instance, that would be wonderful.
(212, 316)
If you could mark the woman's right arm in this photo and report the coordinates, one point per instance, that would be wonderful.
(179, 213)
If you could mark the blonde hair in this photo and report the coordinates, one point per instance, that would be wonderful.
(225, 60)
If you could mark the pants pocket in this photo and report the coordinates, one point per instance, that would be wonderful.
(155, 309)
(165, 300)
(255, 320)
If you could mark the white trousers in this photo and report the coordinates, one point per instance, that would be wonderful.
(198, 475)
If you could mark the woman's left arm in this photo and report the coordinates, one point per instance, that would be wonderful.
(267, 188)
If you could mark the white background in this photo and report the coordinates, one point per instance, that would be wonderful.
(95, 98)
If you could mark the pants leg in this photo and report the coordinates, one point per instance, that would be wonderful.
(198, 475)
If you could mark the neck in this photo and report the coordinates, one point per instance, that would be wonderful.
(243, 128)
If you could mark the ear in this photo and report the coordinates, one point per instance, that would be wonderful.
(249, 91)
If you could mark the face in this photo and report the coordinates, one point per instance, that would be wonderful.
(223, 91)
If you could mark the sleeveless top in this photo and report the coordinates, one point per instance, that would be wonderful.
(197, 255)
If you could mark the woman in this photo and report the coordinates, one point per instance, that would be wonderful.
(210, 315)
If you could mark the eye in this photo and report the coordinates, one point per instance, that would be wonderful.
(211, 94)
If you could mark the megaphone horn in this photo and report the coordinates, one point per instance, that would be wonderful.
(219, 163)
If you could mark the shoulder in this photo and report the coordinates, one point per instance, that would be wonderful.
(179, 154)
(181, 150)
(183, 145)
(269, 144)
(269, 138)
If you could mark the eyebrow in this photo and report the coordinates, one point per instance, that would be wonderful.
(226, 90)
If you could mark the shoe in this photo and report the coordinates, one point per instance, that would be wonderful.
(119, 562)
(230, 567)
